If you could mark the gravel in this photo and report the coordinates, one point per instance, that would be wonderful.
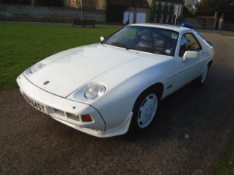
(187, 136)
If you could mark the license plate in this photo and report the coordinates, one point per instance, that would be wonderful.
(36, 105)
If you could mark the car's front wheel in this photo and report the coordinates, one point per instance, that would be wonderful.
(144, 111)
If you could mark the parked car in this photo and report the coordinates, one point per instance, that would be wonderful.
(108, 88)
(186, 24)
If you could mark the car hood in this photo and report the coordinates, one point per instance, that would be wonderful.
(69, 70)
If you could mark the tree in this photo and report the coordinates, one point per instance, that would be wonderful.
(209, 7)
(191, 4)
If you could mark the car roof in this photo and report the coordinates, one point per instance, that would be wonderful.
(178, 29)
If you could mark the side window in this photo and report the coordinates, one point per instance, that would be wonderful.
(189, 42)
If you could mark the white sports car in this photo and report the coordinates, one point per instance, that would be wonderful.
(108, 88)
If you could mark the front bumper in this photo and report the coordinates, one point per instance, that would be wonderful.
(51, 101)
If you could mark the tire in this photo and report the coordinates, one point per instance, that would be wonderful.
(144, 111)
(202, 78)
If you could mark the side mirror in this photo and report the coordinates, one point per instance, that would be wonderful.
(190, 55)
(102, 38)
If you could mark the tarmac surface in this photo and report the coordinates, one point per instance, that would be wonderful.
(34, 143)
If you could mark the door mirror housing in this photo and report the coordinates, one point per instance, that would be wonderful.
(190, 55)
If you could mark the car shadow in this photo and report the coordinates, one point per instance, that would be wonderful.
(193, 111)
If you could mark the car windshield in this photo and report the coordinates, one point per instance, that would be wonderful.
(147, 39)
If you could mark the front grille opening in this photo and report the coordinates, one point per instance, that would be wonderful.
(50, 110)
(56, 111)
(62, 113)
(73, 116)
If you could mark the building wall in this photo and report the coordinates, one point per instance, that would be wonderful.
(178, 12)
(23, 11)
(166, 12)
(101, 5)
(150, 2)
(198, 23)
(178, 8)
(140, 10)
(228, 26)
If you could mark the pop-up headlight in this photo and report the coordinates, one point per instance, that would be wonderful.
(34, 68)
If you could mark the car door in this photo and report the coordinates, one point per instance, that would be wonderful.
(191, 68)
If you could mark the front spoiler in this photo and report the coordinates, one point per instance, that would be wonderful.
(121, 130)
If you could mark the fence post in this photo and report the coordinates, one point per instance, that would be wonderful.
(221, 22)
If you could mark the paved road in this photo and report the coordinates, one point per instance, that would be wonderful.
(33, 143)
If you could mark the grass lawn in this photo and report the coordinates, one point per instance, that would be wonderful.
(21, 46)
(225, 165)
(228, 35)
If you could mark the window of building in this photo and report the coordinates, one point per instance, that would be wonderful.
(172, 18)
(167, 18)
(169, 5)
(155, 18)
(162, 5)
(161, 18)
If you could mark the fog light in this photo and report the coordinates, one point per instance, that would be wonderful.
(72, 116)
(56, 111)
(86, 118)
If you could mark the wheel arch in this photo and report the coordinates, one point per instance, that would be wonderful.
(157, 87)
(210, 63)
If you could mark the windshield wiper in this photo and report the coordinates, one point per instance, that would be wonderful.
(146, 49)
(122, 45)
(151, 50)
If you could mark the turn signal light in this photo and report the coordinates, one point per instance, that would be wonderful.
(86, 118)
